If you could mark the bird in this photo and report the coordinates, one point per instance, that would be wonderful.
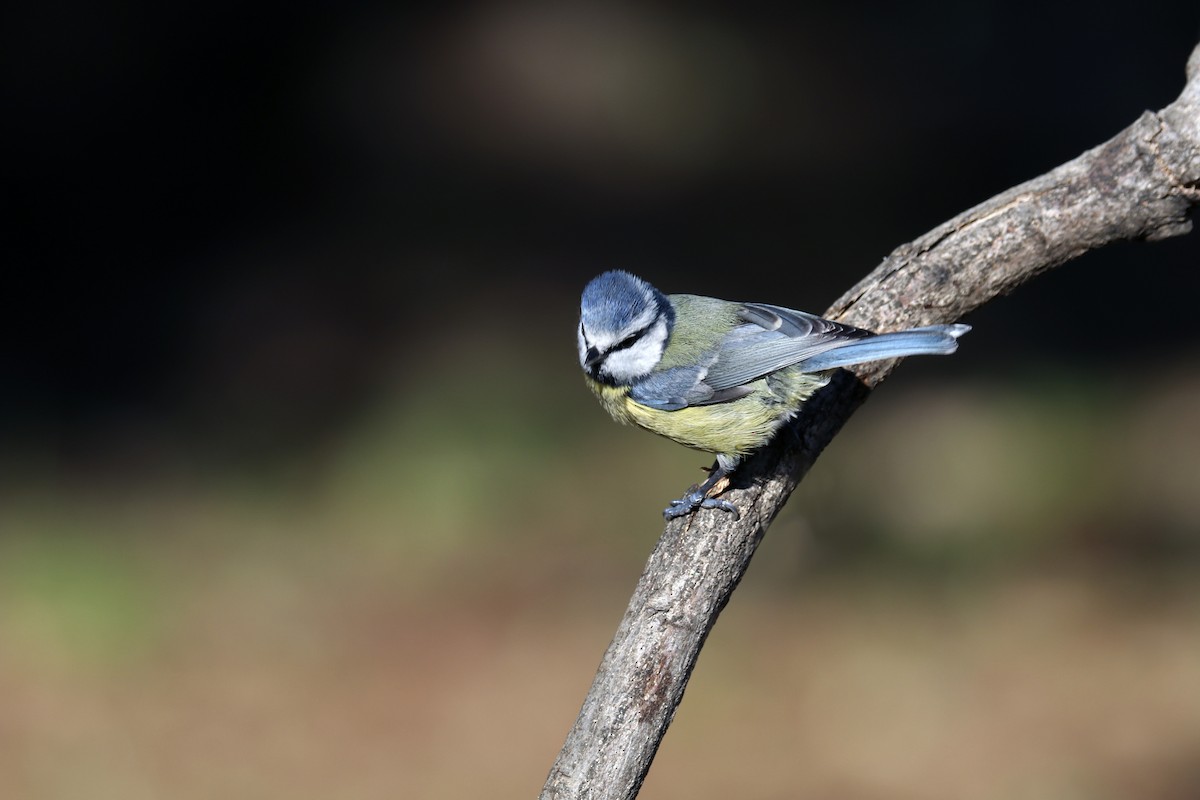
(716, 375)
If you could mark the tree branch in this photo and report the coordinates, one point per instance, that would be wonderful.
(1138, 185)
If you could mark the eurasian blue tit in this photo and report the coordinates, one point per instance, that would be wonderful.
(715, 375)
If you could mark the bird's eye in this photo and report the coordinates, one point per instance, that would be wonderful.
(628, 341)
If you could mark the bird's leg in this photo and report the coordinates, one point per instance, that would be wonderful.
(719, 486)
(704, 495)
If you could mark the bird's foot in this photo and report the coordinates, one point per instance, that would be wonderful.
(696, 498)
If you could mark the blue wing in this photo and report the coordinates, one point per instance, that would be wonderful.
(673, 389)
(772, 338)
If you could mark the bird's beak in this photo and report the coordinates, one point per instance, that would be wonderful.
(592, 357)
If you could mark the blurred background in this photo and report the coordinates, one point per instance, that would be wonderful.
(301, 493)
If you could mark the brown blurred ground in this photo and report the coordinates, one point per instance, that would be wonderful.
(979, 593)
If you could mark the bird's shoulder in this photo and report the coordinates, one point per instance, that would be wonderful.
(700, 325)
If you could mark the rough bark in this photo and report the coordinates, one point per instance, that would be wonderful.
(1138, 185)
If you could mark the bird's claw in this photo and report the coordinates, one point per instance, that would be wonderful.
(723, 505)
(695, 499)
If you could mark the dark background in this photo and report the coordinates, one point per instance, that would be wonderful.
(301, 494)
(226, 221)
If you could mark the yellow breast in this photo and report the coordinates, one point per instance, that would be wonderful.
(736, 428)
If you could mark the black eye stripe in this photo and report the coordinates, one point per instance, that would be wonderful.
(629, 340)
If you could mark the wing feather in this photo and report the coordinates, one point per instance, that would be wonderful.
(771, 339)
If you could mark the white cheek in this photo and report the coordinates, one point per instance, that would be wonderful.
(634, 362)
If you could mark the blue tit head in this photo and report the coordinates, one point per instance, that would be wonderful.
(624, 325)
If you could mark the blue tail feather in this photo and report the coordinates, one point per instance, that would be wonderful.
(931, 340)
